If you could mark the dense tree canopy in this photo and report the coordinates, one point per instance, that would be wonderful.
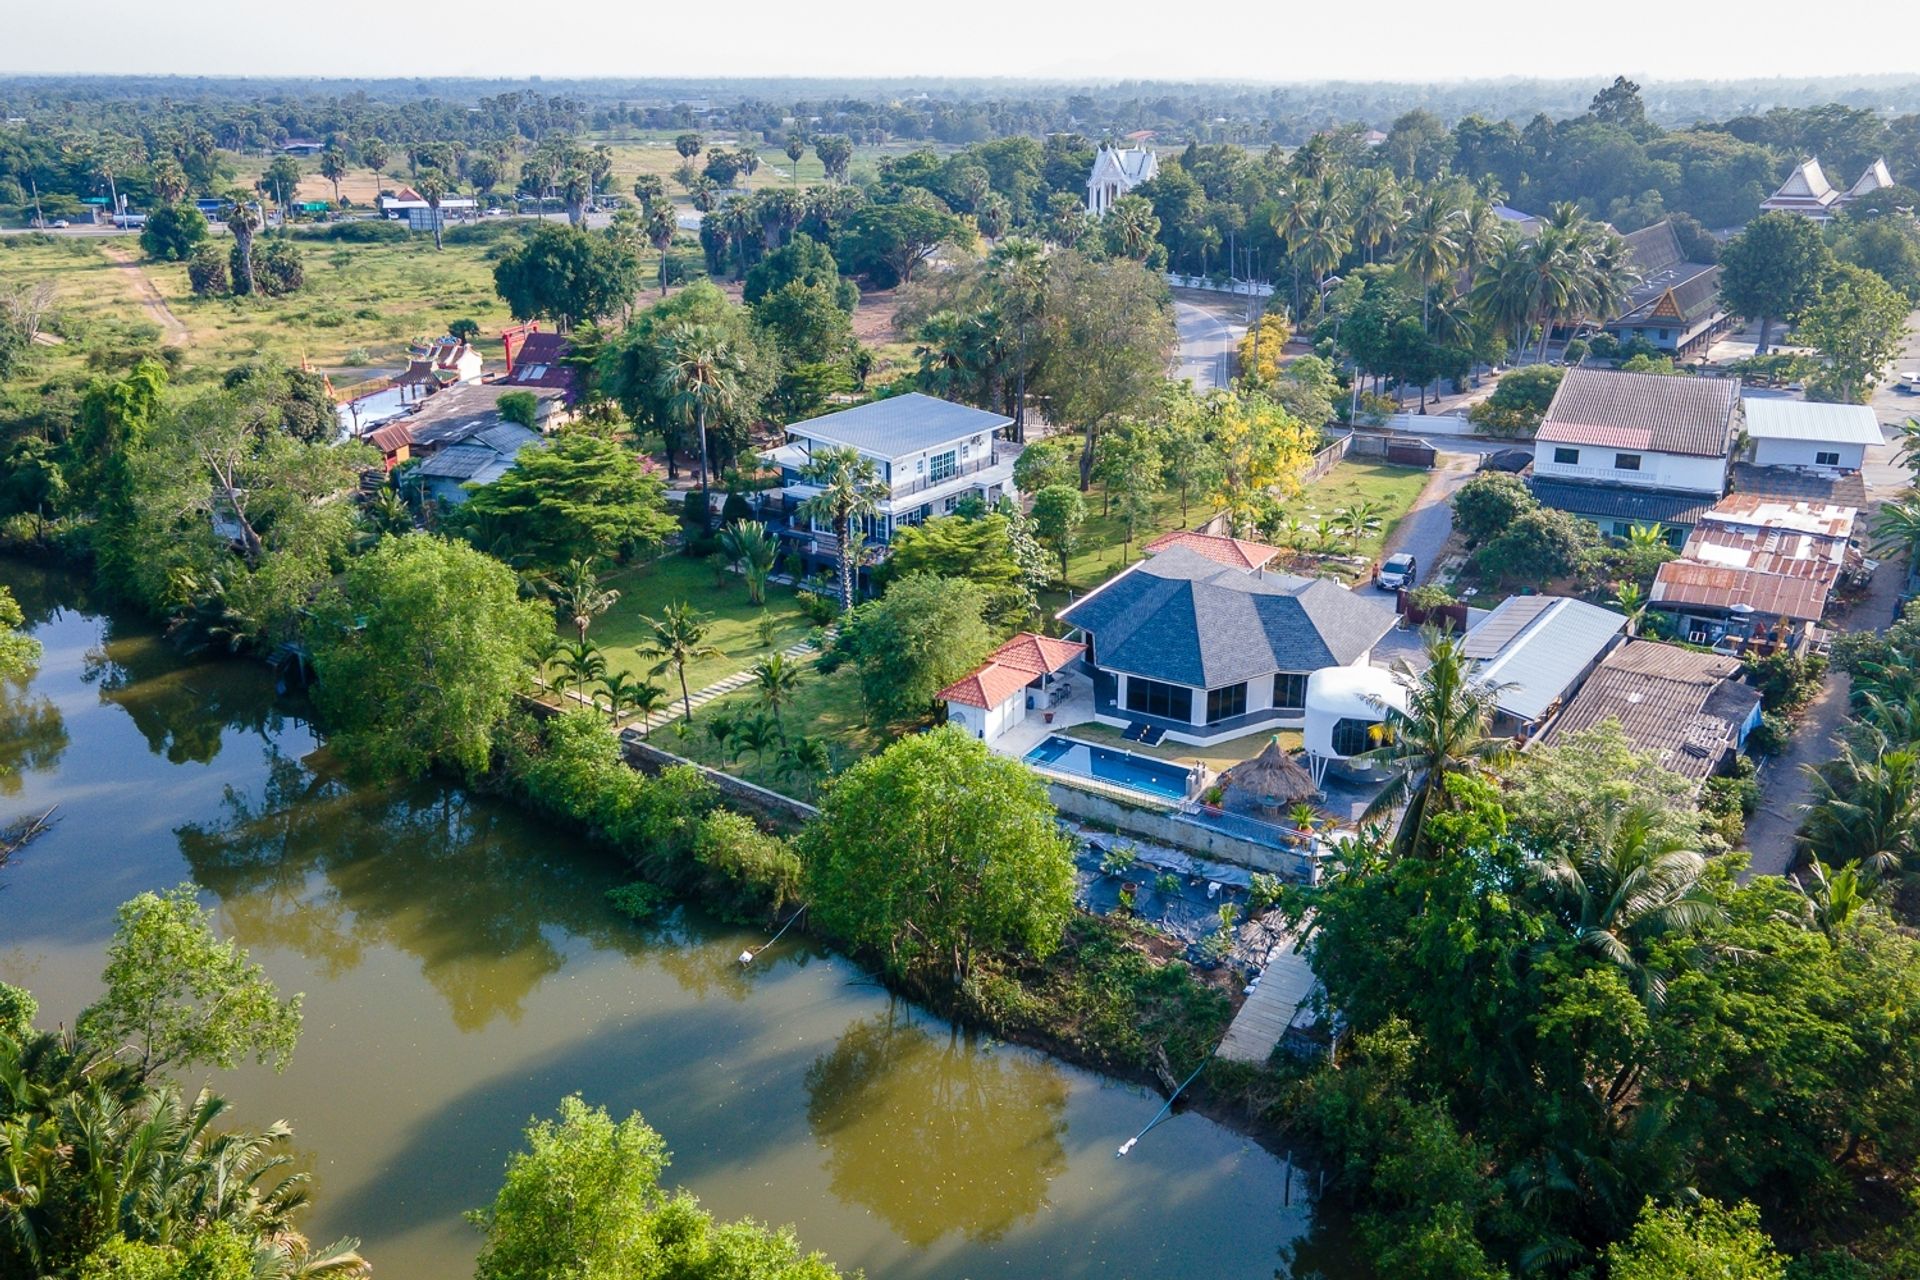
(575, 497)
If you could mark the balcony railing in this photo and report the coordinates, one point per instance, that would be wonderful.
(920, 484)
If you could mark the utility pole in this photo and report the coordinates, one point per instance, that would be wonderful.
(39, 218)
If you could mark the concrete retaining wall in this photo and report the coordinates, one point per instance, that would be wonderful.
(779, 811)
(1166, 827)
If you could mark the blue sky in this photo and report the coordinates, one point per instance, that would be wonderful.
(1122, 39)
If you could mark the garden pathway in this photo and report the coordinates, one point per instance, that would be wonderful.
(720, 688)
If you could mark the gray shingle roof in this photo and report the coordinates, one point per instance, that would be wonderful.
(900, 425)
(1685, 415)
(1183, 618)
(1618, 502)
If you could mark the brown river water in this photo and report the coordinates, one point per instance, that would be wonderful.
(462, 973)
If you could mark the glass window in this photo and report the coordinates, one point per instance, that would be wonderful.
(1353, 737)
(1152, 698)
(1289, 690)
(1626, 462)
(1224, 704)
(1825, 459)
(944, 465)
(1567, 457)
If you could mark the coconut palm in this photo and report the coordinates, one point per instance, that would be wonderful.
(804, 758)
(1379, 210)
(1322, 241)
(1445, 732)
(850, 489)
(1133, 226)
(1866, 808)
(701, 379)
(1361, 520)
(1017, 274)
(1908, 453)
(677, 637)
(1896, 529)
(748, 544)
(624, 694)
(1433, 246)
(433, 187)
(1829, 899)
(942, 347)
(720, 729)
(776, 680)
(1630, 887)
(1504, 294)
(578, 596)
(583, 664)
(755, 734)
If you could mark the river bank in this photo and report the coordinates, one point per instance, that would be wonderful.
(463, 971)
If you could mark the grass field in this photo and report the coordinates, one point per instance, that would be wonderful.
(826, 707)
(734, 624)
(1351, 482)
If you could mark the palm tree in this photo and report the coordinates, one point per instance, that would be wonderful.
(1379, 210)
(662, 225)
(748, 544)
(625, 693)
(1866, 809)
(546, 653)
(1504, 294)
(1433, 246)
(1131, 222)
(584, 664)
(1361, 520)
(432, 186)
(1444, 732)
(796, 147)
(1831, 899)
(850, 489)
(701, 378)
(755, 734)
(805, 758)
(1908, 453)
(1631, 599)
(576, 592)
(678, 637)
(1632, 886)
(777, 680)
(1017, 274)
(942, 347)
(1896, 529)
(243, 219)
(1322, 242)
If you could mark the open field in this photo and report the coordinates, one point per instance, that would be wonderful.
(638, 151)
(734, 625)
(1352, 481)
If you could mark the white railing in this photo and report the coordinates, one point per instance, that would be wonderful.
(1255, 288)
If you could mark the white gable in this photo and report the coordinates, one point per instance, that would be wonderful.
(1876, 178)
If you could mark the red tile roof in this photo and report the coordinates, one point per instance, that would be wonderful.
(1232, 552)
(1011, 668)
(1041, 655)
(988, 687)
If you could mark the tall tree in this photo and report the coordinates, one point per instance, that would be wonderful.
(1109, 336)
(850, 491)
(1772, 270)
(701, 378)
(678, 637)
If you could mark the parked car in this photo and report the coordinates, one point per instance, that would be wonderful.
(1399, 572)
(1910, 382)
(1512, 460)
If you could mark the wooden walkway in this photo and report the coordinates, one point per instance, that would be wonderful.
(1276, 1003)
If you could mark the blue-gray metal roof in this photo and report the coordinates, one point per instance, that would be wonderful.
(900, 425)
(1541, 646)
(1183, 618)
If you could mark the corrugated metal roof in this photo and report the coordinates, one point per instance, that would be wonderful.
(1769, 418)
(1849, 490)
(1686, 415)
(1712, 586)
(1619, 501)
(1685, 709)
(900, 425)
(1544, 657)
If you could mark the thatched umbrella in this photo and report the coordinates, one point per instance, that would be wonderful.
(1272, 782)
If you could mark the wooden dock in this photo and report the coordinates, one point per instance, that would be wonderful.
(1276, 1005)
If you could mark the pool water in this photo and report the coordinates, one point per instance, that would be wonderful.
(1159, 778)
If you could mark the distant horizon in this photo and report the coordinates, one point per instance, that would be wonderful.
(1395, 42)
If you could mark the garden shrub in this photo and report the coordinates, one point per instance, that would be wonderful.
(749, 874)
(207, 272)
(1520, 401)
(522, 407)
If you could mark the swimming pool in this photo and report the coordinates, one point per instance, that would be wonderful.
(1160, 778)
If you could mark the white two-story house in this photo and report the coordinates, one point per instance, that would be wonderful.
(1622, 449)
(932, 454)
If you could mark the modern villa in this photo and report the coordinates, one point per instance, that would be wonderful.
(931, 454)
(1199, 648)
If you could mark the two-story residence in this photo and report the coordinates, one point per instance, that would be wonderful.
(1622, 449)
(931, 454)
(1203, 647)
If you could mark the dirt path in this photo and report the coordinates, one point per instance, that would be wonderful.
(176, 334)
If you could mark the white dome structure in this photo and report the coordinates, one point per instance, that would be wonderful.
(1342, 703)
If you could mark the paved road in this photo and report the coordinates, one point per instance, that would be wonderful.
(1424, 530)
(1209, 332)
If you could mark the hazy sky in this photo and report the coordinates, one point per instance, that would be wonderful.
(1126, 39)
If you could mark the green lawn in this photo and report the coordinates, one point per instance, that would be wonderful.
(825, 707)
(1216, 755)
(1350, 482)
(733, 623)
(1100, 554)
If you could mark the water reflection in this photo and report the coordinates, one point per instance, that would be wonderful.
(33, 734)
(182, 709)
(934, 1134)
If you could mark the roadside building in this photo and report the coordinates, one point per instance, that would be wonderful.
(1676, 305)
(1811, 437)
(1735, 610)
(1622, 449)
(1690, 711)
(1117, 171)
(1535, 651)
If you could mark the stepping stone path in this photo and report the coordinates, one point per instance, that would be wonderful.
(738, 680)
